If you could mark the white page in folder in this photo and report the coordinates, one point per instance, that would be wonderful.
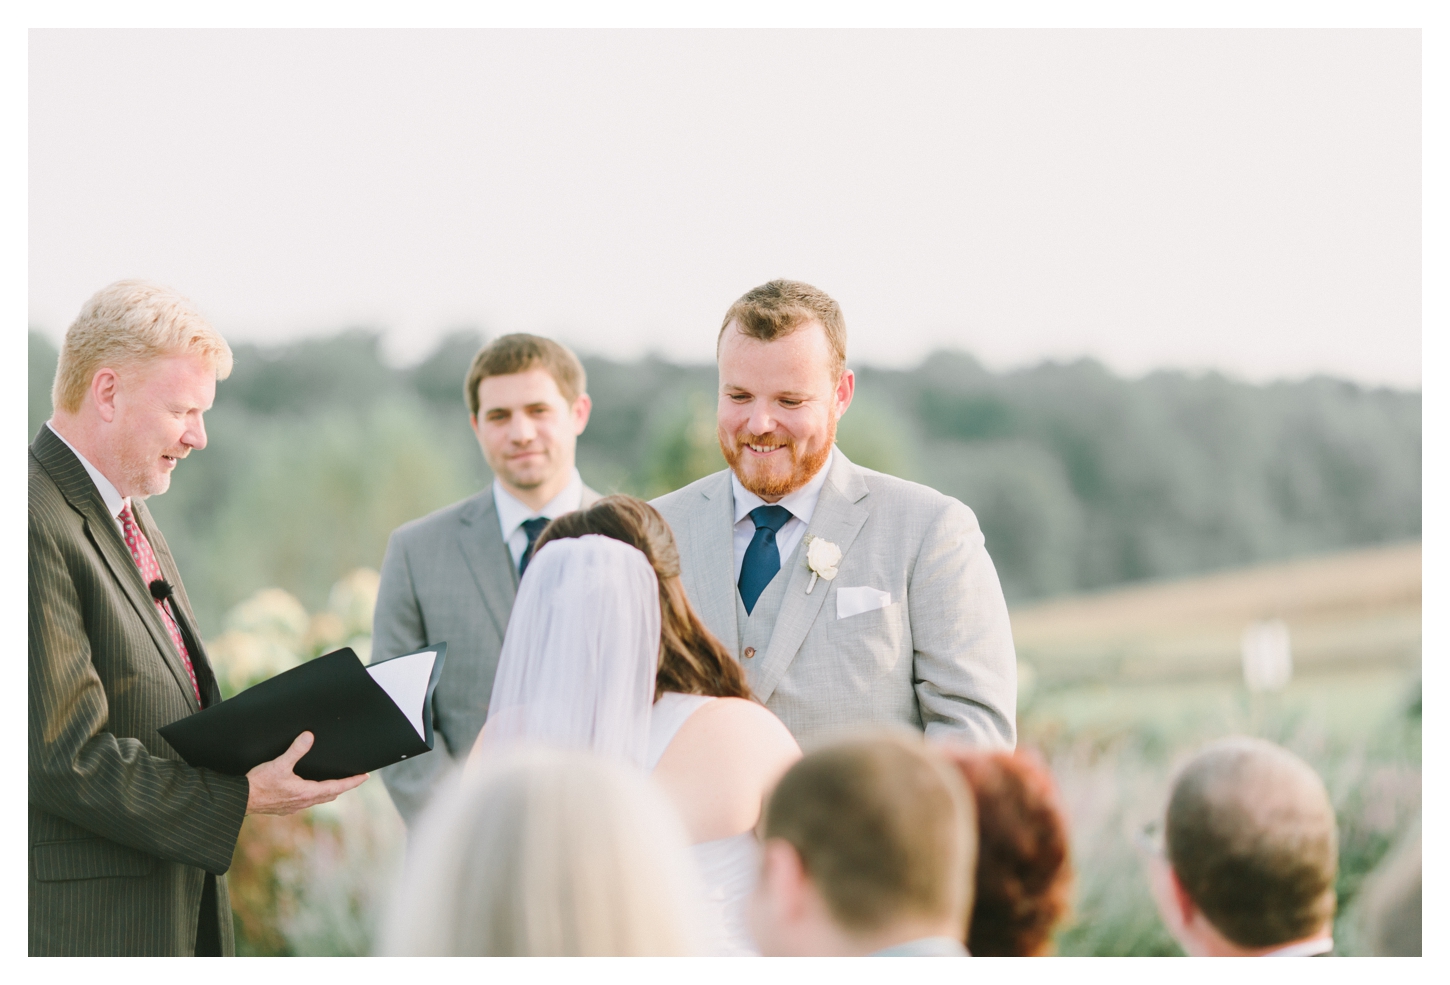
(405, 679)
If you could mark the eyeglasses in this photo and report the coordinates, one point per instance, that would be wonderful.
(1149, 839)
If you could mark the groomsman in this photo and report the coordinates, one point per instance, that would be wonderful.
(452, 575)
(127, 843)
(852, 598)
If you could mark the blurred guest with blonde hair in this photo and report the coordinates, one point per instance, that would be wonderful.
(1024, 875)
(1251, 854)
(869, 849)
(546, 852)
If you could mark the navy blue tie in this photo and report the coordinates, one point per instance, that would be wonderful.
(762, 557)
(533, 527)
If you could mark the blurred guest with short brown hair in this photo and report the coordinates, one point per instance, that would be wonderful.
(1251, 854)
(870, 845)
(1024, 872)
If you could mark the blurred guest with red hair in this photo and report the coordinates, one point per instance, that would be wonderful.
(1024, 874)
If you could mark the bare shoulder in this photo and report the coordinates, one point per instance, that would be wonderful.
(743, 722)
(721, 763)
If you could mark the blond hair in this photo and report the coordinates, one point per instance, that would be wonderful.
(775, 309)
(129, 322)
(547, 853)
(885, 829)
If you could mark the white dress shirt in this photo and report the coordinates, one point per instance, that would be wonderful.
(925, 947)
(1304, 949)
(512, 513)
(801, 503)
(115, 502)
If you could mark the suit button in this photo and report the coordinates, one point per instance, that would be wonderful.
(749, 652)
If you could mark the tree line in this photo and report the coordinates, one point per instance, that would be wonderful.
(1081, 479)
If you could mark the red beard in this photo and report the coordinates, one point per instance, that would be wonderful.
(803, 470)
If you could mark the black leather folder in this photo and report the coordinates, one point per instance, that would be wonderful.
(357, 723)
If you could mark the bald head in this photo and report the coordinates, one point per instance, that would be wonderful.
(1252, 838)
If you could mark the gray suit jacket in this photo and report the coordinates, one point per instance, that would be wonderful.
(447, 577)
(938, 658)
(122, 831)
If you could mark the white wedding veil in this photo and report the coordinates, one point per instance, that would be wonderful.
(578, 664)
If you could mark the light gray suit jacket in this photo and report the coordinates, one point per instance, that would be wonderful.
(447, 577)
(938, 658)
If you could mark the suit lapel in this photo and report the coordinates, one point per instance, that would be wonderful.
(488, 558)
(75, 485)
(838, 518)
(712, 535)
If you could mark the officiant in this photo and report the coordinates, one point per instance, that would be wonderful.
(452, 575)
(128, 844)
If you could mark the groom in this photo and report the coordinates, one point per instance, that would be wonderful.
(852, 598)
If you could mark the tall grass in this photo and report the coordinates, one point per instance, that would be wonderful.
(1115, 774)
(317, 883)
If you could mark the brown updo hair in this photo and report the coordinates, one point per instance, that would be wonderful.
(1024, 873)
(692, 660)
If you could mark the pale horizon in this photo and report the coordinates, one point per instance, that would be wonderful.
(1245, 202)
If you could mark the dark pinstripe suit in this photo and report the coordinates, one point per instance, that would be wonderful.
(122, 832)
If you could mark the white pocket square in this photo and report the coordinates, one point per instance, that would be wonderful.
(854, 601)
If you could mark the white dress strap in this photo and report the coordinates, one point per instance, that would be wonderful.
(670, 712)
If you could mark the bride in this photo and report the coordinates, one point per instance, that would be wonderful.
(604, 651)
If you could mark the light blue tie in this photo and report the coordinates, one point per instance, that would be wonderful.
(762, 557)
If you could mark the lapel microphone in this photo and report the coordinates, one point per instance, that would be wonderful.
(161, 590)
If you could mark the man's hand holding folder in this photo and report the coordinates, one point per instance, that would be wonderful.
(276, 789)
(317, 730)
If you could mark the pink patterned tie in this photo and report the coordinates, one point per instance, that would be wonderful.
(151, 571)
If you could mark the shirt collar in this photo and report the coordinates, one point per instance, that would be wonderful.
(925, 947)
(801, 503)
(115, 502)
(512, 513)
(1304, 949)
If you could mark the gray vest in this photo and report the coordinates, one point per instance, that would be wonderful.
(754, 630)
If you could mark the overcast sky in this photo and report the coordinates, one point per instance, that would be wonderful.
(1241, 200)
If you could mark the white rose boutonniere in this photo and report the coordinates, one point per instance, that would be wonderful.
(821, 557)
